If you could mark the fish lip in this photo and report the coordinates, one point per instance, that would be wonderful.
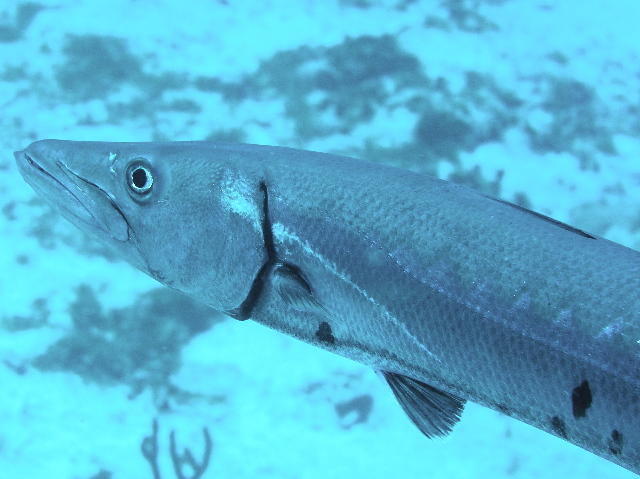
(27, 166)
(65, 193)
(35, 175)
(30, 161)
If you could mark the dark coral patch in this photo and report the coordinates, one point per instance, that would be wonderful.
(355, 411)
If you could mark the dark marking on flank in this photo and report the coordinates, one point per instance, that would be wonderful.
(557, 426)
(615, 443)
(324, 333)
(581, 399)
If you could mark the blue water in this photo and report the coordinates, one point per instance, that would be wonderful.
(536, 102)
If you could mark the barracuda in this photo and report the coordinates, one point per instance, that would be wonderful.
(449, 294)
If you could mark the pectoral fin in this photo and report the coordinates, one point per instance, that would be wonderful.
(433, 411)
(294, 290)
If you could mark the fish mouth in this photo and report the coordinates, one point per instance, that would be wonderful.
(79, 200)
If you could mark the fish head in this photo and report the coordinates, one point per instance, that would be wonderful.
(163, 207)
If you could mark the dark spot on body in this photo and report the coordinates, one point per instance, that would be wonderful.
(557, 426)
(581, 399)
(324, 333)
(615, 443)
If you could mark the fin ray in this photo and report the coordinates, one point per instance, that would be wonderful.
(433, 411)
(294, 290)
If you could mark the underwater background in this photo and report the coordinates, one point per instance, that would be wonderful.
(106, 375)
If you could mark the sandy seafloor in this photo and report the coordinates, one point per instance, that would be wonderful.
(535, 101)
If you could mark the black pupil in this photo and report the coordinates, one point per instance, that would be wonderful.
(139, 178)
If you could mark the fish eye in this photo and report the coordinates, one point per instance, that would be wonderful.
(139, 177)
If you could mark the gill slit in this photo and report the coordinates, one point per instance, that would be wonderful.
(245, 310)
